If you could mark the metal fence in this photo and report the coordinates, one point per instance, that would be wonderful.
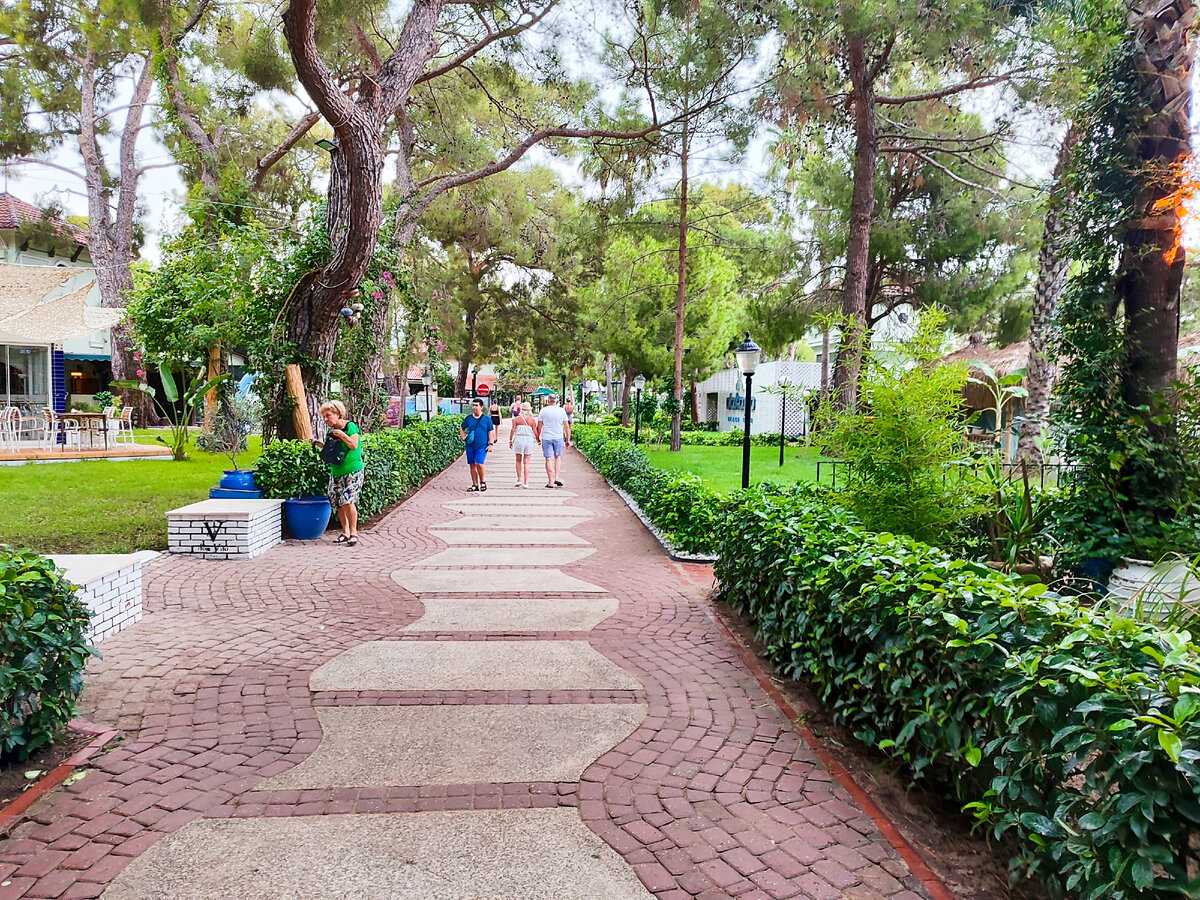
(1042, 474)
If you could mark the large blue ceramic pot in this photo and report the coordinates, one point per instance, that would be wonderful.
(306, 517)
(238, 480)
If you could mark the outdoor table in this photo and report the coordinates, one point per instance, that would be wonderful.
(86, 420)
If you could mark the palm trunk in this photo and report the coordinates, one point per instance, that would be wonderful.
(1053, 265)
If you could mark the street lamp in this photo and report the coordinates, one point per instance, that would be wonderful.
(638, 384)
(747, 353)
(589, 388)
(427, 380)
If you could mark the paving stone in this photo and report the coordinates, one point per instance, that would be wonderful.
(474, 557)
(481, 523)
(474, 581)
(374, 746)
(527, 502)
(543, 854)
(507, 537)
(479, 615)
(471, 665)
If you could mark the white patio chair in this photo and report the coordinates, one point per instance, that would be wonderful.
(54, 425)
(8, 432)
(125, 426)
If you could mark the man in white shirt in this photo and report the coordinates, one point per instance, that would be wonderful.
(554, 431)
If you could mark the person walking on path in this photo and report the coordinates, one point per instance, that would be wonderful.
(494, 412)
(514, 408)
(554, 431)
(477, 432)
(523, 441)
(346, 475)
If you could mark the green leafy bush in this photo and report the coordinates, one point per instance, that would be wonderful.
(43, 650)
(901, 438)
(679, 503)
(1074, 732)
(395, 462)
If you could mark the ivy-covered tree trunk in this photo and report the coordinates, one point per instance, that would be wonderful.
(1053, 265)
(1152, 262)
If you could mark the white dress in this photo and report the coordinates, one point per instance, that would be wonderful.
(524, 441)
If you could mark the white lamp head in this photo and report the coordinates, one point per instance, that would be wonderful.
(639, 382)
(747, 353)
(426, 378)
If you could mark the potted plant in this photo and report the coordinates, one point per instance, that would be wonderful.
(292, 471)
(227, 433)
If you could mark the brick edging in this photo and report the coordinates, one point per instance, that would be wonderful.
(928, 878)
(102, 737)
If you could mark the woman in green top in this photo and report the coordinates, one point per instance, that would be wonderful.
(346, 477)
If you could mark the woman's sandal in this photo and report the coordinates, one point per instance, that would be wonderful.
(342, 539)
(353, 541)
(472, 489)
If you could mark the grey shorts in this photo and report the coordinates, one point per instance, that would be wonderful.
(553, 447)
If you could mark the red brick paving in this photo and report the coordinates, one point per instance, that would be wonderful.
(714, 795)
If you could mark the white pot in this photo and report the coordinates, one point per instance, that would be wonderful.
(1156, 588)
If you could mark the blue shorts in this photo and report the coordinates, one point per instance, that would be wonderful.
(477, 456)
(553, 447)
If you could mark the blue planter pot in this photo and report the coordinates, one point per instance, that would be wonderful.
(238, 480)
(306, 517)
(1096, 571)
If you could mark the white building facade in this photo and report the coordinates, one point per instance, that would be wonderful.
(721, 398)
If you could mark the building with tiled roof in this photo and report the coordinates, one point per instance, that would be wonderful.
(25, 229)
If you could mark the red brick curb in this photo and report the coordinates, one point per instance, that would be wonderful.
(929, 880)
(12, 814)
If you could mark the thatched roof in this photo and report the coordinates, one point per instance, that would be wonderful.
(1004, 361)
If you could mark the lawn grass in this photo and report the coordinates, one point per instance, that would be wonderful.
(721, 467)
(101, 506)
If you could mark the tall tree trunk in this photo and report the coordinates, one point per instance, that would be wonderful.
(695, 400)
(608, 383)
(626, 387)
(862, 213)
(1053, 265)
(468, 354)
(680, 295)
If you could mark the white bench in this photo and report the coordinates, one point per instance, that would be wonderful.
(225, 529)
(111, 586)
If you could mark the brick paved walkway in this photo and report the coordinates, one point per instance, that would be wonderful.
(711, 794)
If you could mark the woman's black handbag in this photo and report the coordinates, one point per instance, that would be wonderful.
(334, 451)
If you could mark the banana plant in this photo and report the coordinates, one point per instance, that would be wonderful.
(180, 407)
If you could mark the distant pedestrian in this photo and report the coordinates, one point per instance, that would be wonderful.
(478, 433)
(514, 408)
(523, 440)
(343, 453)
(494, 412)
(569, 409)
(554, 431)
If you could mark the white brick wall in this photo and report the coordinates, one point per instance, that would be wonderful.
(115, 601)
(211, 537)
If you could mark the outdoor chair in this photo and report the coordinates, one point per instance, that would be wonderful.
(15, 426)
(125, 426)
(53, 425)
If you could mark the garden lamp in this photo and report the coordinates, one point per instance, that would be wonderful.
(747, 353)
(427, 380)
(638, 383)
(329, 146)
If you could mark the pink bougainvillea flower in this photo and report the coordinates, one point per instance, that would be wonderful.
(377, 295)
(141, 373)
(440, 346)
(387, 276)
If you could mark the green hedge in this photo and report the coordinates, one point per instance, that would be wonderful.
(43, 650)
(680, 504)
(395, 460)
(693, 438)
(1076, 733)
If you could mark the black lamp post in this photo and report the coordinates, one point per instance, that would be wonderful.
(638, 384)
(427, 380)
(747, 353)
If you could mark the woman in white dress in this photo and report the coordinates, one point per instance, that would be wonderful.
(523, 441)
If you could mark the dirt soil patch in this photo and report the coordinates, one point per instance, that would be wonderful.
(969, 865)
(13, 780)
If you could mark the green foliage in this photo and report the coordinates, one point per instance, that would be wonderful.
(1074, 732)
(396, 461)
(43, 651)
(180, 408)
(900, 439)
(235, 418)
(679, 503)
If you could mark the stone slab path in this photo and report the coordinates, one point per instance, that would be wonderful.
(492, 696)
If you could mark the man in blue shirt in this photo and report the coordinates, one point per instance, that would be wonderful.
(476, 432)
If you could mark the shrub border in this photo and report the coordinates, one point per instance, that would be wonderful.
(670, 549)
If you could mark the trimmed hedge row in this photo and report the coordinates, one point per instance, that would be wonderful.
(1075, 732)
(695, 438)
(395, 460)
(683, 507)
(43, 651)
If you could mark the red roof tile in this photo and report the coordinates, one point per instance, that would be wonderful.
(14, 212)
